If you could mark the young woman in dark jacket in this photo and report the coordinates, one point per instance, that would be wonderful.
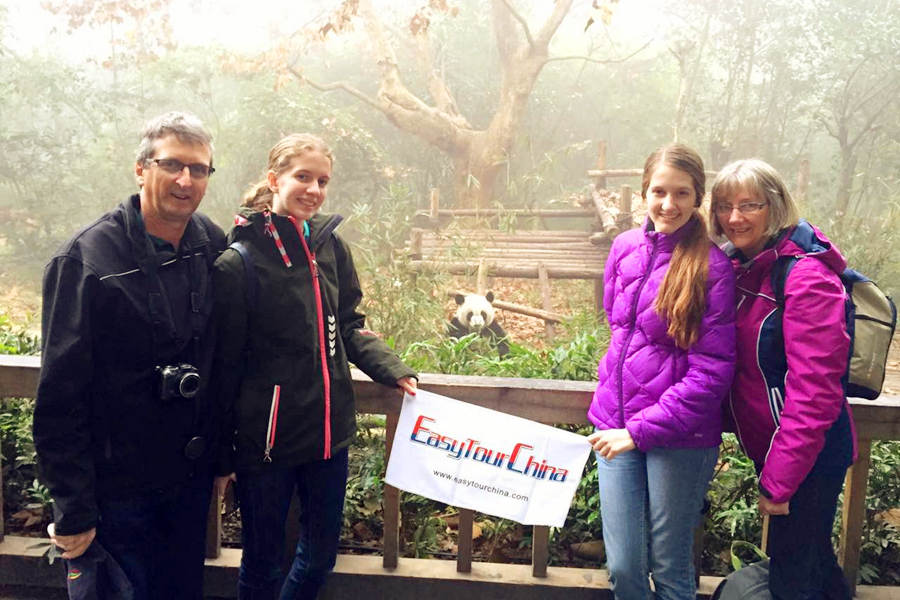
(288, 320)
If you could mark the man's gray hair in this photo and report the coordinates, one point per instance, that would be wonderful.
(188, 128)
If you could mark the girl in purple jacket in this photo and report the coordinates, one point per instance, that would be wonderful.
(669, 299)
(788, 403)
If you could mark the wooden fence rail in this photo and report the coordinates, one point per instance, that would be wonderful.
(545, 401)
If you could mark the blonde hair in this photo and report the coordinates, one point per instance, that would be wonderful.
(259, 196)
(759, 179)
(682, 295)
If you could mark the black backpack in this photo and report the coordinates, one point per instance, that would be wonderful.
(749, 583)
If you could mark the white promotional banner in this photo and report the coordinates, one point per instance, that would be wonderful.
(473, 457)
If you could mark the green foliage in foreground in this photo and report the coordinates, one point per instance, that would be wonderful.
(21, 489)
(574, 357)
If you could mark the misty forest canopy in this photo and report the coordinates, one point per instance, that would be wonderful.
(495, 102)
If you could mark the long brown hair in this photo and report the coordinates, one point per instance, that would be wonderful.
(682, 295)
(259, 196)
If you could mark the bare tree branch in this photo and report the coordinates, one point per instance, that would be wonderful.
(560, 9)
(512, 10)
(337, 85)
(599, 60)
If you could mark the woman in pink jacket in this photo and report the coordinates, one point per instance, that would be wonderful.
(787, 402)
(669, 299)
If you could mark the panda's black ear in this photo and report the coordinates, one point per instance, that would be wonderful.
(459, 299)
(489, 297)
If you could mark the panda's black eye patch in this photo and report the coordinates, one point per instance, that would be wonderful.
(484, 315)
(468, 316)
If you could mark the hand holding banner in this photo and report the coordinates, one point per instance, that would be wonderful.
(473, 457)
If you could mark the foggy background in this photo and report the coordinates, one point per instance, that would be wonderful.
(492, 102)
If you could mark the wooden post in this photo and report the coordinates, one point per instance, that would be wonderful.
(625, 220)
(464, 541)
(600, 182)
(435, 201)
(391, 502)
(854, 513)
(549, 329)
(214, 526)
(764, 543)
(415, 244)
(540, 550)
(598, 295)
(481, 280)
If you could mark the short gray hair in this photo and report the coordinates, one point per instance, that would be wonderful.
(188, 128)
(759, 179)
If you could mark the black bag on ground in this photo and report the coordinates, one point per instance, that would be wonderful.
(749, 583)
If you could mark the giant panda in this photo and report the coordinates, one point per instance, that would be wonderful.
(475, 314)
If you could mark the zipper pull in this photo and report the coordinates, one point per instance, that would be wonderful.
(267, 458)
(315, 267)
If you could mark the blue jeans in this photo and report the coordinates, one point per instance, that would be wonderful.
(265, 497)
(803, 565)
(159, 538)
(650, 503)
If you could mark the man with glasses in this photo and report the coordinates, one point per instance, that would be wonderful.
(122, 426)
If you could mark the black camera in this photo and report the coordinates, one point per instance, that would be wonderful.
(178, 381)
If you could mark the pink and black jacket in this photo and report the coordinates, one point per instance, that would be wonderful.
(665, 396)
(787, 403)
(281, 371)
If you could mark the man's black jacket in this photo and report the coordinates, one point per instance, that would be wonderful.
(114, 309)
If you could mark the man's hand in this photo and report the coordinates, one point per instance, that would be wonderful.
(609, 443)
(220, 485)
(73, 546)
(408, 385)
(767, 507)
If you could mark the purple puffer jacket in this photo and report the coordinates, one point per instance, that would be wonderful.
(663, 395)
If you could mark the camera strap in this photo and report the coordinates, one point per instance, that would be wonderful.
(164, 325)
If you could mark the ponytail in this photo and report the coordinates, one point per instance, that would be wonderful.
(258, 197)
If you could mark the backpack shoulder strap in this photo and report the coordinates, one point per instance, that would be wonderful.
(250, 270)
(780, 271)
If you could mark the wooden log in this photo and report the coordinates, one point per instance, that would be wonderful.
(522, 256)
(604, 216)
(549, 331)
(530, 235)
(434, 202)
(513, 271)
(601, 173)
(415, 243)
(600, 182)
(464, 541)
(391, 501)
(499, 263)
(445, 245)
(540, 550)
(625, 219)
(854, 512)
(520, 212)
(521, 309)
